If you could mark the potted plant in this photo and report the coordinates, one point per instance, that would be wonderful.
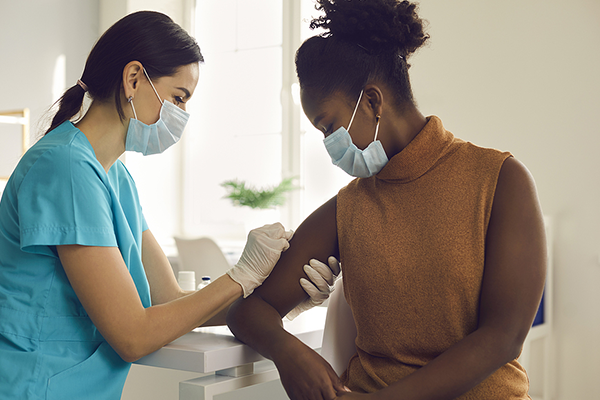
(268, 198)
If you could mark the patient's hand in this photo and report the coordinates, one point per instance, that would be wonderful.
(319, 287)
(305, 374)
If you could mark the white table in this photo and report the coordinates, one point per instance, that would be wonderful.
(215, 350)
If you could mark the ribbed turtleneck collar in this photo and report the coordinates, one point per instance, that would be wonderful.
(420, 155)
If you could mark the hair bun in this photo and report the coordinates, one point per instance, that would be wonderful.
(376, 25)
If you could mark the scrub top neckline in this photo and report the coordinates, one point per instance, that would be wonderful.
(89, 145)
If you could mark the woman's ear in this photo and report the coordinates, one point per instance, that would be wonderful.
(131, 78)
(374, 97)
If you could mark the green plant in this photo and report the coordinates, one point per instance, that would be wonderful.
(243, 195)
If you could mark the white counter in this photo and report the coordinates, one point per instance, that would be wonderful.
(215, 349)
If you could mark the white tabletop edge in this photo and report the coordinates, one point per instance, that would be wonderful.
(204, 351)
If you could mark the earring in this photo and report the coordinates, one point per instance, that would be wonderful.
(377, 118)
(130, 101)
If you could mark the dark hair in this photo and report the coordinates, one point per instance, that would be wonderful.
(366, 40)
(149, 37)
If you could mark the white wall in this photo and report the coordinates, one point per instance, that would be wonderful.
(524, 76)
(33, 34)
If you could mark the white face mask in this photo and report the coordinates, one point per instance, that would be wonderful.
(156, 138)
(355, 162)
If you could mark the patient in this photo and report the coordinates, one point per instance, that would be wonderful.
(441, 241)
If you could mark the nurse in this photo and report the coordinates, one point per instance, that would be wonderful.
(85, 288)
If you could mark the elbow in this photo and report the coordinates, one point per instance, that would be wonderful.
(131, 350)
(504, 347)
(516, 345)
(515, 339)
(129, 353)
(513, 351)
(130, 358)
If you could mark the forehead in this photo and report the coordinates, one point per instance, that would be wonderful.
(185, 76)
(313, 104)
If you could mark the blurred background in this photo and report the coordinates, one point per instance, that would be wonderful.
(517, 75)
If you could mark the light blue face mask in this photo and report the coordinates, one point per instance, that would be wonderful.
(156, 138)
(354, 161)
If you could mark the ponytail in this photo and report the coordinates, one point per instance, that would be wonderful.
(69, 105)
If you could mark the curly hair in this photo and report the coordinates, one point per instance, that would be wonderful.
(365, 40)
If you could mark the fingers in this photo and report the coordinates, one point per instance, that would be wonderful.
(335, 265)
(274, 231)
(282, 244)
(317, 297)
(288, 235)
(319, 277)
(274, 234)
(336, 382)
(323, 270)
(261, 253)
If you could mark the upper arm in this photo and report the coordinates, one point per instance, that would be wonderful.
(104, 287)
(515, 260)
(315, 238)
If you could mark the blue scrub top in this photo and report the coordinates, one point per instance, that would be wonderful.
(60, 194)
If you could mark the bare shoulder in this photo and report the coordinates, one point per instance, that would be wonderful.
(514, 172)
(516, 204)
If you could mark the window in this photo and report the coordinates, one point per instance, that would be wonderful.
(236, 128)
(245, 124)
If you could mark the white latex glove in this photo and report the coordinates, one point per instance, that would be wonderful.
(262, 250)
(319, 288)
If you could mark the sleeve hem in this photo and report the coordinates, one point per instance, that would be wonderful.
(55, 236)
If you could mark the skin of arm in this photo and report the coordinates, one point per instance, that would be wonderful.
(106, 290)
(257, 320)
(163, 285)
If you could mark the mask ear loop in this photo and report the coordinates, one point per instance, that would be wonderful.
(377, 118)
(151, 84)
(355, 109)
(130, 101)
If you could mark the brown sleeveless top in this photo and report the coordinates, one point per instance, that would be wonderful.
(412, 248)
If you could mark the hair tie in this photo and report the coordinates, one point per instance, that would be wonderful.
(82, 85)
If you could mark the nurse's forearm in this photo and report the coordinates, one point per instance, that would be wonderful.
(174, 319)
(218, 319)
(107, 292)
(161, 279)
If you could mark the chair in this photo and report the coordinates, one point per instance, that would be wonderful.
(339, 333)
(201, 255)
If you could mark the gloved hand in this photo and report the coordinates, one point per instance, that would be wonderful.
(323, 278)
(262, 250)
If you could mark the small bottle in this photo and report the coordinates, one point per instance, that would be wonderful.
(187, 280)
(204, 282)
